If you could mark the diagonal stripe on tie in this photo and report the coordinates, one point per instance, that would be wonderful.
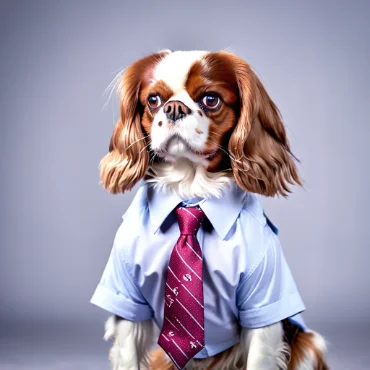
(193, 250)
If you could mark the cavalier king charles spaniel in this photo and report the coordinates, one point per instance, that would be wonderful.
(192, 123)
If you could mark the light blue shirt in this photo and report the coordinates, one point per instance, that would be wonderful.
(247, 281)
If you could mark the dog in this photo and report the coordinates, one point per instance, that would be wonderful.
(198, 125)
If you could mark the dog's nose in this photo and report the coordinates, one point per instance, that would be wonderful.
(175, 110)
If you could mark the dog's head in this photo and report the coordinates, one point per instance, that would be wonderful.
(208, 108)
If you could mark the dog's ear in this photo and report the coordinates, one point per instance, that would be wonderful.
(127, 160)
(261, 158)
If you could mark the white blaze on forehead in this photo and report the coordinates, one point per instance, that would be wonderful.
(174, 68)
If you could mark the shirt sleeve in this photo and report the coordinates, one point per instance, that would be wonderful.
(268, 294)
(117, 291)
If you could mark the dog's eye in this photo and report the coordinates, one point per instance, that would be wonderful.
(211, 101)
(154, 101)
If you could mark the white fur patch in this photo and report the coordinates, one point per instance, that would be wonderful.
(110, 328)
(265, 347)
(188, 180)
(184, 128)
(173, 69)
(132, 343)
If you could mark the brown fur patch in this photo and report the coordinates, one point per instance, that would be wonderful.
(127, 160)
(262, 161)
(158, 361)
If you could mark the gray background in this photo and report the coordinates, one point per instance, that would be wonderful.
(57, 222)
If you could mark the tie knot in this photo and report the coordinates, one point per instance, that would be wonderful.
(189, 219)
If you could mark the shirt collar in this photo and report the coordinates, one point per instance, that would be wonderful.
(222, 212)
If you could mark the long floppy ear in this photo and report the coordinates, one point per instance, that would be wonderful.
(127, 160)
(261, 158)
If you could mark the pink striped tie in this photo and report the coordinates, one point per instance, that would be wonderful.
(182, 334)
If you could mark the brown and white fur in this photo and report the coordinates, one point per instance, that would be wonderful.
(191, 123)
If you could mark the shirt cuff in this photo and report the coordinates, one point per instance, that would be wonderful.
(272, 313)
(120, 305)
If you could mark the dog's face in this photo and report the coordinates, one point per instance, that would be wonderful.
(190, 103)
(207, 107)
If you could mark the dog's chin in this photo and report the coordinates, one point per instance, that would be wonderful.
(184, 171)
(178, 149)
